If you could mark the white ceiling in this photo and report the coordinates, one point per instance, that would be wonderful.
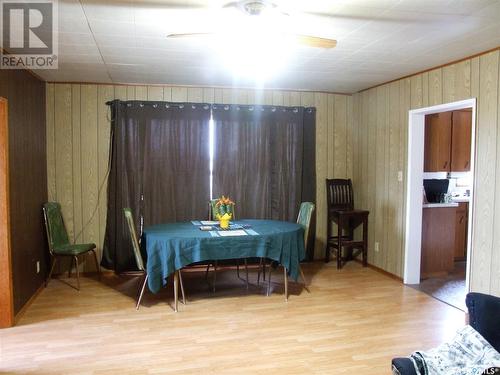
(378, 40)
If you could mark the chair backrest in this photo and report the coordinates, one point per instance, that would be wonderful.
(134, 238)
(339, 195)
(484, 311)
(54, 225)
(304, 219)
(212, 210)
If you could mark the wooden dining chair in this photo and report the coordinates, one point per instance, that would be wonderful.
(340, 211)
(304, 219)
(140, 262)
(59, 244)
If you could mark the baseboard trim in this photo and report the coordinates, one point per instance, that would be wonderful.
(25, 307)
(382, 271)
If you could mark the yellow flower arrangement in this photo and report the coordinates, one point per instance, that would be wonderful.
(224, 211)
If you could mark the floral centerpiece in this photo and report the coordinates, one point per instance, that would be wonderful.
(224, 209)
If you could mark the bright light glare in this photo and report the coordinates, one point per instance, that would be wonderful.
(211, 150)
(254, 48)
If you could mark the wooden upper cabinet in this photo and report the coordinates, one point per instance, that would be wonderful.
(461, 141)
(437, 153)
(448, 141)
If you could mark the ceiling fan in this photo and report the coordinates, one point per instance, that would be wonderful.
(257, 8)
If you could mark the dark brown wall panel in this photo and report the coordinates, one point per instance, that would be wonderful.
(28, 180)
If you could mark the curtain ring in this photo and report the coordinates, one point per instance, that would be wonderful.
(206, 106)
(141, 105)
(181, 106)
(155, 105)
(295, 110)
(167, 106)
(273, 109)
(226, 107)
(251, 108)
(193, 106)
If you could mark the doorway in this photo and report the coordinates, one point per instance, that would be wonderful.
(415, 196)
(6, 301)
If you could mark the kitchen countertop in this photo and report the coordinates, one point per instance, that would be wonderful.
(440, 205)
(461, 199)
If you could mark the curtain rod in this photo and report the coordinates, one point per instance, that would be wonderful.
(215, 106)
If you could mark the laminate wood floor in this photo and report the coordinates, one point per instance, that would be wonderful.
(353, 321)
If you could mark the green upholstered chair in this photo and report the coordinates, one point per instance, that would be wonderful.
(213, 216)
(140, 262)
(59, 245)
(304, 219)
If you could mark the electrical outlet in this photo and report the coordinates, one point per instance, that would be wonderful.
(38, 266)
(400, 176)
(376, 247)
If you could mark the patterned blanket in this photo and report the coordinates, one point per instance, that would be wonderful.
(467, 354)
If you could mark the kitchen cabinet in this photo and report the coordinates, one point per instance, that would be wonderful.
(461, 225)
(461, 132)
(448, 141)
(438, 241)
(437, 151)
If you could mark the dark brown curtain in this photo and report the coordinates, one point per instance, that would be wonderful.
(159, 168)
(264, 159)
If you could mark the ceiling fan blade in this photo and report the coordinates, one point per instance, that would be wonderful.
(191, 35)
(306, 40)
(314, 41)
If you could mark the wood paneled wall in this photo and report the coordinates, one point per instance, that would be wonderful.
(28, 180)
(78, 143)
(381, 123)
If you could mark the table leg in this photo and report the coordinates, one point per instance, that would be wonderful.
(176, 290)
(286, 284)
(365, 241)
(269, 279)
(246, 270)
(215, 276)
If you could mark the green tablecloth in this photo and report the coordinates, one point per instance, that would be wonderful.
(170, 247)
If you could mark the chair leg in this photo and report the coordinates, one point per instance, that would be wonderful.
(182, 288)
(98, 267)
(238, 268)
(303, 279)
(70, 266)
(207, 270)
(328, 235)
(286, 283)
(51, 270)
(77, 273)
(176, 290)
(141, 291)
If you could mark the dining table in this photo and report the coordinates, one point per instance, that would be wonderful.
(170, 247)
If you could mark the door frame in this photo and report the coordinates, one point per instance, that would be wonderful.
(414, 195)
(6, 289)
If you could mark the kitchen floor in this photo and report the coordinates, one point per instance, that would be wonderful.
(450, 289)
